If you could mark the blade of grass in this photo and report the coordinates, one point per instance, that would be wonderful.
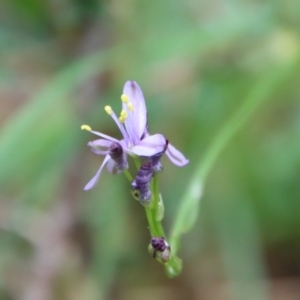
(266, 86)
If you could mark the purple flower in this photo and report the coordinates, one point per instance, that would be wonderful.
(136, 139)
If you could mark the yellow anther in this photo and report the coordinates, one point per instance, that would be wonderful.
(130, 106)
(108, 109)
(86, 127)
(124, 98)
(123, 114)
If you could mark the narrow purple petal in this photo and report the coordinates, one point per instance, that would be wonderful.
(107, 137)
(91, 184)
(111, 166)
(121, 127)
(123, 144)
(150, 145)
(100, 147)
(176, 157)
(137, 119)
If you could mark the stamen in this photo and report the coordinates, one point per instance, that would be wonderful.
(123, 116)
(86, 127)
(130, 106)
(124, 98)
(119, 122)
(108, 109)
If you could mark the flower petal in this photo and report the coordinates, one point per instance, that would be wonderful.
(112, 167)
(91, 184)
(100, 147)
(150, 145)
(119, 124)
(137, 119)
(107, 137)
(176, 157)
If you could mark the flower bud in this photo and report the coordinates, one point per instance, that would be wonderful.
(160, 249)
(142, 182)
(155, 159)
(117, 154)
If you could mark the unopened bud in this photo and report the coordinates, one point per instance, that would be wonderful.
(159, 249)
(115, 151)
(142, 183)
(117, 154)
(155, 159)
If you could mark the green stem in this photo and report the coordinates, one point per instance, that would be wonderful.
(151, 221)
(156, 227)
(153, 226)
(155, 188)
(174, 265)
(128, 175)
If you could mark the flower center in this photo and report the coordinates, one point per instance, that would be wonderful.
(125, 114)
(131, 118)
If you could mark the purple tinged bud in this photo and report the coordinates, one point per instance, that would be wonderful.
(164, 256)
(160, 249)
(117, 154)
(115, 150)
(142, 182)
(158, 243)
(155, 159)
(156, 164)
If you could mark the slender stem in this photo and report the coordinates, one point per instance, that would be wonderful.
(128, 175)
(174, 265)
(149, 210)
(155, 187)
(155, 226)
(137, 162)
(151, 222)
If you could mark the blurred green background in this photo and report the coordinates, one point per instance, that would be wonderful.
(221, 81)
